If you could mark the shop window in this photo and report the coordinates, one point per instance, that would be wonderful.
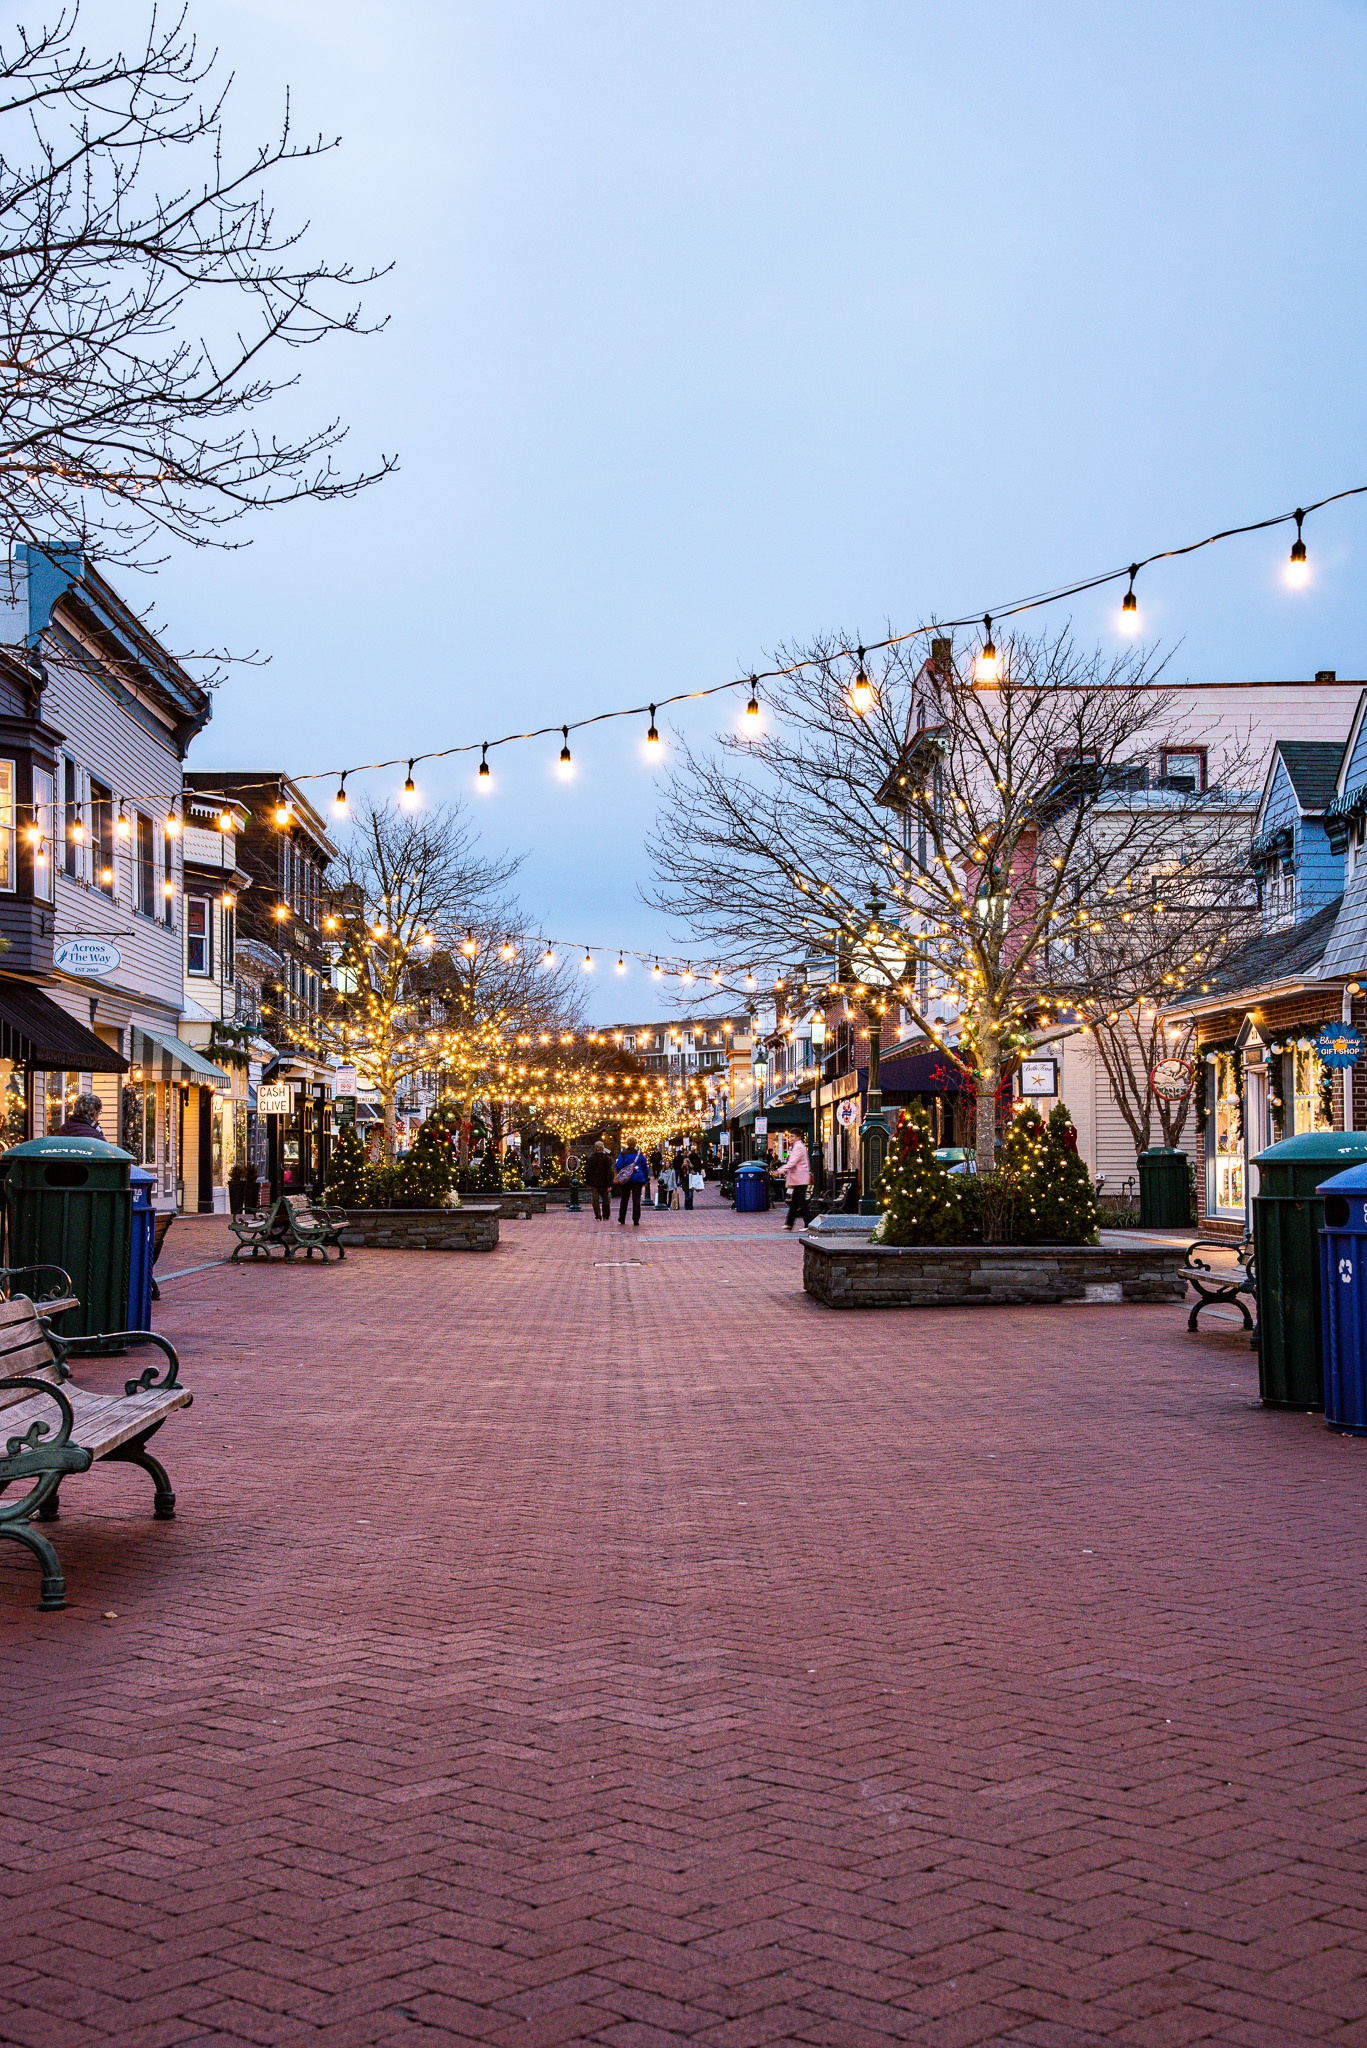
(199, 945)
(7, 835)
(1306, 1111)
(42, 818)
(1229, 1148)
(146, 900)
(102, 836)
(71, 819)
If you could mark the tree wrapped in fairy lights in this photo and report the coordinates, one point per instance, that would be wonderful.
(919, 1199)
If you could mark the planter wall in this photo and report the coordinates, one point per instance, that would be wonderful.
(522, 1202)
(471, 1228)
(973, 1275)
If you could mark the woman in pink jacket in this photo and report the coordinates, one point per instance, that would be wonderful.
(797, 1174)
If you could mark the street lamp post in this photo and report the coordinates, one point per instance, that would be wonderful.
(761, 1076)
(873, 1132)
(818, 1030)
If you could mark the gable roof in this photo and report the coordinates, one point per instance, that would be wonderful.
(1313, 767)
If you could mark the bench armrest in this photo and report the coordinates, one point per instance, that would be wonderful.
(36, 1454)
(10, 1273)
(122, 1340)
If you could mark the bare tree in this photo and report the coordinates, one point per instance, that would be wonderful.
(894, 816)
(149, 299)
(405, 882)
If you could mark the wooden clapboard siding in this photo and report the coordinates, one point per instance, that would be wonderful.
(145, 772)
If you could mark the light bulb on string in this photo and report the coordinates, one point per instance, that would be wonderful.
(587, 962)
(468, 946)
(121, 824)
(986, 669)
(484, 776)
(339, 802)
(172, 825)
(566, 763)
(621, 964)
(652, 737)
(752, 708)
(548, 958)
(409, 797)
(1298, 567)
(861, 689)
(507, 951)
(1129, 605)
(282, 814)
(225, 821)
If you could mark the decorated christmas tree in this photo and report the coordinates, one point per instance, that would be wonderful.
(489, 1173)
(426, 1174)
(1024, 1161)
(346, 1170)
(920, 1202)
(1071, 1213)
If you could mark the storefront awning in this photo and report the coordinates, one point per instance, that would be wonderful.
(163, 1057)
(36, 1032)
(783, 1116)
(924, 1072)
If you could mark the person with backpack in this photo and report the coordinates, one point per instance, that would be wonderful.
(630, 1174)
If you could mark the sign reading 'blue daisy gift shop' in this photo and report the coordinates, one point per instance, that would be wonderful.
(1340, 1045)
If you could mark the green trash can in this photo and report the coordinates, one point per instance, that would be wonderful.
(1164, 1189)
(1288, 1215)
(68, 1203)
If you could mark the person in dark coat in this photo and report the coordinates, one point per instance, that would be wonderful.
(598, 1179)
(84, 1121)
(630, 1175)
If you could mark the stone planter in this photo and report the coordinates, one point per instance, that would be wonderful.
(471, 1228)
(854, 1275)
(520, 1202)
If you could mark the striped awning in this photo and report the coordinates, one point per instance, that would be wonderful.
(164, 1057)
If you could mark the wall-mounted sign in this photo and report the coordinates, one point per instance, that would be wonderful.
(1039, 1077)
(94, 959)
(761, 1126)
(343, 1112)
(1340, 1045)
(344, 1081)
(848, 1111)
(1171, 1080)
(275, 1098)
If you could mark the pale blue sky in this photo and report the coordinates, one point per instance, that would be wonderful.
(719, 324)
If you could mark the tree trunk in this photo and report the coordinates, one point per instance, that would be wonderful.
(985, 1120)
(391, 1127)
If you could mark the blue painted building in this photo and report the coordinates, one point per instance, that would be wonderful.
(1297, 854)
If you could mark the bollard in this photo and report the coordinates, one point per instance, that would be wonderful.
(573, 1202)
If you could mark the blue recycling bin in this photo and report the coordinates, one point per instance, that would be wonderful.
(1343, 1299)
(140, 1249)
(752, 1185)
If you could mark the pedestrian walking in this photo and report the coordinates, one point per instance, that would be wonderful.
(598, 1179)
(630, 1174)
(693, 1177)
(669, 1186)
(655, 1162)
(797, 1175)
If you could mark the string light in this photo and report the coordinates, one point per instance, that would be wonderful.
(566, 765)
(172, 825)
(655, 972)
(652, 737)
(752, 708)
(409, 798)
(282, 813)
(507, 951)
(861, 689)
(468, 946)
(1298, 568)
(485, 776)
(77, 831)
(1129, 604)
(548, 958)
(986, 669)
(226, 821)
(587, 962)
(121, 824)
(621, 964)
(339, 802)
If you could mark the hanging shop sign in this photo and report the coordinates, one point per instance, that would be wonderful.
(275, 1098)
(93, 959)
(1171, 1080)
(1340, 1045)
(1039, 1077)
(848, 1111)
(344, 1112)
(761, 1126)
(344, 1081)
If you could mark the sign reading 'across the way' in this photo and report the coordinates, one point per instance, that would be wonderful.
(93, 958)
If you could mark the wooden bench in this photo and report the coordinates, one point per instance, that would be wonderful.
(258, 1231)
(50, 1429)
(161, 1227)
(1221, 1272)
(51, 1301)
(309, 1228)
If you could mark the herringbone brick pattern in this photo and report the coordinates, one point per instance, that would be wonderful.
(550, 1651)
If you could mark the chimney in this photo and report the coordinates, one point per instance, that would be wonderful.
(1326, 675)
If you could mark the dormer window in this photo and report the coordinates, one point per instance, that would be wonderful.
(1184, 767)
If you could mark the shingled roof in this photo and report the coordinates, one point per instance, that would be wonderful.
(1297, 954)
(1313, 767)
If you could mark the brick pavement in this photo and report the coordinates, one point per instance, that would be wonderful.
(555, 1651)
